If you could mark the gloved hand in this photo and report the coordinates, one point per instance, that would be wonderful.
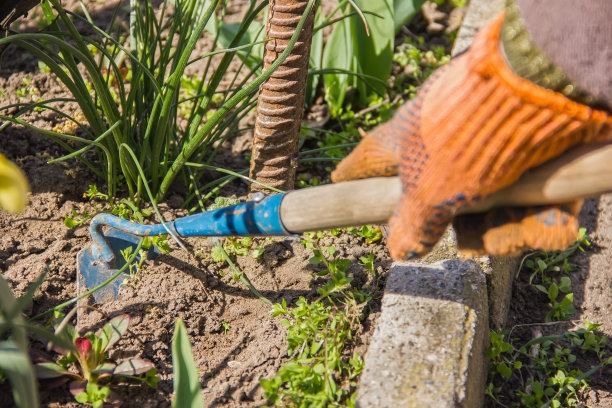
(474, 128)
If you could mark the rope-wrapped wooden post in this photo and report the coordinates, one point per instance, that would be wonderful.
(281, 98)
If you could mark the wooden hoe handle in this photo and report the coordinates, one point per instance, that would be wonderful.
(580, 173)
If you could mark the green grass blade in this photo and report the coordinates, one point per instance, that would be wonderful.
(171, 94)
(187, 391)
(16, 365)
(232, 173)
(193, 144)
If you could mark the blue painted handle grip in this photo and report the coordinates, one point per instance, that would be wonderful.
(250, 218)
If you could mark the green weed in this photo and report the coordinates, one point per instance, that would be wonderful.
(319, 372)
(545, 365)
(123, 208)
(15, 363)
(243, 246)
(416, 64)
(559, 309)
(87, 364)
(370, 233)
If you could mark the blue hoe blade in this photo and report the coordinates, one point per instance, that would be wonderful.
(92, 272)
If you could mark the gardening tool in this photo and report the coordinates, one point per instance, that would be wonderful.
(580, 173)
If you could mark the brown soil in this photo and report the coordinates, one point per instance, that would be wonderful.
(177, 285)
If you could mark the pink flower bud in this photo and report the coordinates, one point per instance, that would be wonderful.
(83, 346)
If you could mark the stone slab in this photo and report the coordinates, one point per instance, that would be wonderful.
(428, 346)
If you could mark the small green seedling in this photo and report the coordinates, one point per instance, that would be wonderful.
(563, 309)
(370, 233)
(236, 246)
(545, 368)
(159, 241)
(124, 208)
(541, 264)
(89, 369)
(225, 327)
(368, 262)
(76, 219)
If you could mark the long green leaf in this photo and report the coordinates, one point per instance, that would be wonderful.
(254, 35)
(113, 330)
(316, 58)
(16, 365)
(171, 94)
(11, 316)
(404, 10)
(350, 48)
(187, 391)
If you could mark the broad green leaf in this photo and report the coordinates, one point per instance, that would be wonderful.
(404, 10)
(338, 54)
(51, 370)
(16, 365)
(374, 52)
(113, 330)
(316, 57)
(68, 335)
(553, 292)
(252, 57)
(186, 379)
(81, 397)
(10, 315)
(133, 366)
(349, 48)
(566, 284)
(13, 186)
(105, 368)
(504, 370)
(7, 298)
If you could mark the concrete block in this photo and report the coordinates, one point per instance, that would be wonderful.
(500, 272)
(428, 345)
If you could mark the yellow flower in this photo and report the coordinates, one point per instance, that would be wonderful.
(13, 186)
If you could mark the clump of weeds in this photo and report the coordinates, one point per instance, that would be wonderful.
(320, 371)
(542, 372)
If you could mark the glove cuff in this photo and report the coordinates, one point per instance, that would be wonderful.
(527, 61)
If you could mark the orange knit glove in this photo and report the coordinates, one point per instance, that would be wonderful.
(473, 129)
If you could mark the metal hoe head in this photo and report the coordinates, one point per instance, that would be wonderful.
(93, 271)
(103, 259)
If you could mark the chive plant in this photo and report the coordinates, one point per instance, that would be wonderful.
(130, 93)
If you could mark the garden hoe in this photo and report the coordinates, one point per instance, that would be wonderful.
(580, 173)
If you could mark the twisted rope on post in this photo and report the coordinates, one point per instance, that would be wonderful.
(281, 98)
